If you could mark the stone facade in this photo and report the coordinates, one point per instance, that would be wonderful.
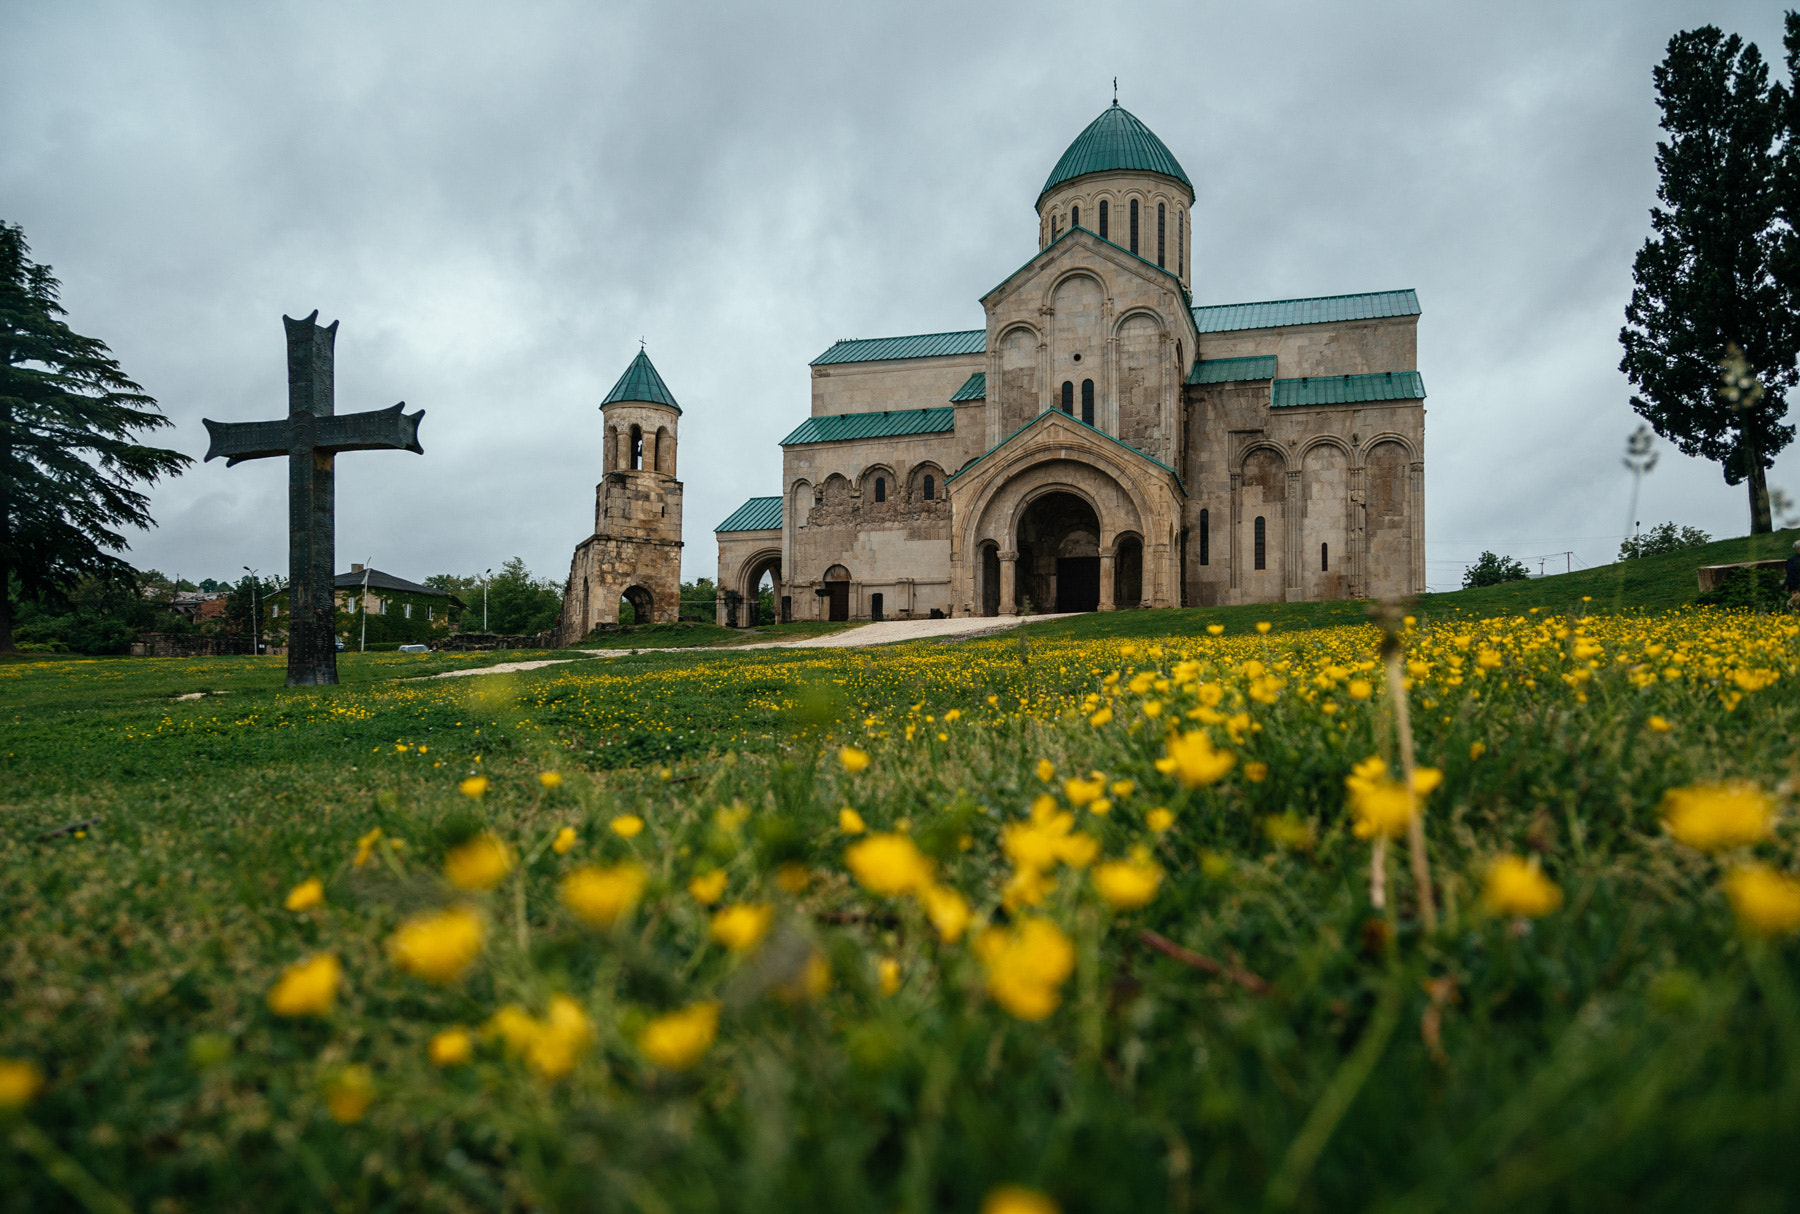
(1101, 442)
(634, 553)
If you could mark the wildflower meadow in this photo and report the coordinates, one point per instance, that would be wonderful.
(1459, 909)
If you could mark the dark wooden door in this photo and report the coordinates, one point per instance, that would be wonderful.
(840, 600)
(875, 607)
(1077, 583)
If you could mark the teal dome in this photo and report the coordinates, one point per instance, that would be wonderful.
(641, 383)
(1115, 141)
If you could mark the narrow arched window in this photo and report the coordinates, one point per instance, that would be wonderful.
(930, 487)
(1262, 543)
(1324, 558)
(1134, 224)
(1068, 395)
(1087, 401)
(1103, 219)
(1159, 235)
(1074, 217)
(1205, 537)
(1180, 243)
(637, 448)
(881, 489)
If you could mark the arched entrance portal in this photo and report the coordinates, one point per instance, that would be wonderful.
(837, 593)
(762, 576)
(1128, 572)
(990, 578)
(1059, 554)
(641, 603)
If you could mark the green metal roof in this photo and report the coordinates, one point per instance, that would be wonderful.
(1347, 389)
(925, 345)
(1068, 417)
(836, 427)
(641, 383)
(757, 514)
(1275, 313)
(1114, 141)
(1231, 370)
(974, 388)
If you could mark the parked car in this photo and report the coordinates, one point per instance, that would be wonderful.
(415, 649)
(340, 644)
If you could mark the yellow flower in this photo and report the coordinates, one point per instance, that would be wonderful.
(564, 842)
(677, 1040)
(349, 1093)
(307, 988)
(1518, 887)
(1190, 758)
(1127, 885)
(20, 1082)
(1016, 1199)
(1476, 750)
(1103, 717)
(947, 910)
(740, 927)
(481, 863)
(308, 893)
(1659, 725)
(600, 896)
(1080, 791)
(850, 822)
(1215, 630)
(474, 786)
(452, 1047)
(1262, 625)
(1123, 788)
(550, 779)
(438, 946)
(888, 864)
(708, 888)
(1425, 780)
(513, 1025)
(887, 972)
(1046, 770)
(1026, 965)
(627, 826)
(365, 847)
(955, 714)
(1256, 773)
(1101, 807)
(1766, 902)
(1714, 817)
(854, 760)
(1159, 819)
(560, 1039)
(792, 878)
(813, 980)
(1359, 689)
(1382, 808)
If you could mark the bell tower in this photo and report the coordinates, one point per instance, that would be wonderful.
(633, 558)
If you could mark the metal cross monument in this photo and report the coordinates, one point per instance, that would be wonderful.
(310, 437)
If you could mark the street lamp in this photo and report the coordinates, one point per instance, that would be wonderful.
(484, 582)
(362, 645)
(255, 615)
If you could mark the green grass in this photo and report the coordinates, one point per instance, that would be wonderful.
(1633, 1050)
(700, 635)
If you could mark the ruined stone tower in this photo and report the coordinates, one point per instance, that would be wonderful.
(634, 554)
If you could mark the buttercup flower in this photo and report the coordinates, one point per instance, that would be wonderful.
(564, 842)
(440, 945)
(851, 822)
(20, 1082)
(349, 1093)
(600, 896)
(948, 911)
(708, 888)
(550, 779)
(1517, 887)
(1766, 902)
(887, 973)
(1080, 791)
(678, 1040)
(1717, 817)
(889, 864)
(627, 826)
(1159, 819)
(853, 759)
(1191, 758)
(474, 786)
(1016, 1199)
(480, 864)
(1026, 965)
(309, 893)
(365, 847)
(307, 987)
(452, 1047)
(740, 927)
(562, 1037)
(1046, 770)
(1127, 885)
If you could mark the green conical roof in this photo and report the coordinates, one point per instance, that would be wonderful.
(641, 383)
(1115, 140)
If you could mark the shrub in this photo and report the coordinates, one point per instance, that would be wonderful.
(1664, 538)
(1491, 570)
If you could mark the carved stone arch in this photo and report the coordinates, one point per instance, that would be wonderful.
(1119, 322)
(889, 486)
(1323, 440)
(800, 502)
(1041, 461)
(915, 485)
(1016, 326)
(1048, 297)
(665, 451)
(1386, 436)
(1262, 445)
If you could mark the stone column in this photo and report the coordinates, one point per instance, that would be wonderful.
(1233, 526)
(1356, 532)
(1106, 581)
(1294, 510)
(1415, 524)
(1046, 392)
(1009, 583)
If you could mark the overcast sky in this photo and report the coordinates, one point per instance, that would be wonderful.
(498, 201)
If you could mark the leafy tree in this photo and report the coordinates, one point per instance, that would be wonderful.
(1491, 570)
(519, 604)
(1664, 538)
(699, 600)
(1707, 279)
(69, 469)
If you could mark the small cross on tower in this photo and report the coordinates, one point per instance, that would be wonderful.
(311, 436)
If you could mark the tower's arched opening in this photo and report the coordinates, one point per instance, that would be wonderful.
(637, 606)
(1128, 572)
(1059, 554)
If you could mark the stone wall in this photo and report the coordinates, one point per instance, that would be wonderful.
(883, 387)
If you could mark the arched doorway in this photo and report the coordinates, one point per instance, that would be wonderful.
(990, 579)
(837, 593)
(762, 590)
(641, 605)
(1128, 572)
(1059, 554)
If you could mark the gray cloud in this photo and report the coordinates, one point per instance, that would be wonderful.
(497, 201)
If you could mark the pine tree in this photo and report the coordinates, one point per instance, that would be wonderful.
(1707, 278)
(69, 469)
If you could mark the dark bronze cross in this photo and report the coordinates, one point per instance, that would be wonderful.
(310, 437)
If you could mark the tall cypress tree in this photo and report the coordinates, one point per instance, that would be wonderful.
(1707, 279)
(69, 469)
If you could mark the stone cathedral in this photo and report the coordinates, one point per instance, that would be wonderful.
(1101, 442)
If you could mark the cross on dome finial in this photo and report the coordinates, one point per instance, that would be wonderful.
(1115, 90)
(640, 343)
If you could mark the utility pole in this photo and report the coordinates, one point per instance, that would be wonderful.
(362, 646)
(484, 584)
(255, 615)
